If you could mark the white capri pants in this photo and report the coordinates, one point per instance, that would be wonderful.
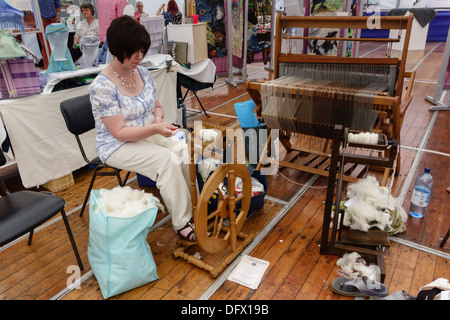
(171, 177)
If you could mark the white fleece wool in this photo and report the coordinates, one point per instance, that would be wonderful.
(208, 134)
(369, 204)
(125, 202)
(207, 165)
(362, 216)
(353, 265)
(175, 144)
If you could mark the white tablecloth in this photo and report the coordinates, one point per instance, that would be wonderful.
(45, 150)
(202, 71)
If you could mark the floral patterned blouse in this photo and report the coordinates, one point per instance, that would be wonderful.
(106, 100)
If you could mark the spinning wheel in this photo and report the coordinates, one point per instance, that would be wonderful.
(211, 234)
(231, 204)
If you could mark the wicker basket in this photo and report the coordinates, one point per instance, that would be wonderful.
(59, 184)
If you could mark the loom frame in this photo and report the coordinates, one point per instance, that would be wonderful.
(390, 107)
(393, 107)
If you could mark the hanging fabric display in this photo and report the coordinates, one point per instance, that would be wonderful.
(214, 14)
(10, 17)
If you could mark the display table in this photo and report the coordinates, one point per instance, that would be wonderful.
(45, 150)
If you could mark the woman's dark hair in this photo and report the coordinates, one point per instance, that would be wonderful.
(172, 7)
(126, 36)
(88, 6)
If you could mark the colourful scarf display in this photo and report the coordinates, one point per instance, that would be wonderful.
(10, 17)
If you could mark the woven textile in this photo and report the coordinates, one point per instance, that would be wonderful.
(22, 74)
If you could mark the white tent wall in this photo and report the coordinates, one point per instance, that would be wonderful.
(391, 4)
(439, 4)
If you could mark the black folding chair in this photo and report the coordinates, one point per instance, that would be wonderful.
(22, 211)
(77, 113)
(192, 85)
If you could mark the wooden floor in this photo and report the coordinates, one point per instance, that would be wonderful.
(288, 227)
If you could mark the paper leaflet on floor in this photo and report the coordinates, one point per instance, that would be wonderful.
(249, 272)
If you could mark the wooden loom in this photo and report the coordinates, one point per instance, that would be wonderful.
(391, 108)
(212, 236)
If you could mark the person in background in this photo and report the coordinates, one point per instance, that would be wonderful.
(86, 27)
(50, 13)
(127, 113)
(172, 10)
(140, 11)
(108, 10)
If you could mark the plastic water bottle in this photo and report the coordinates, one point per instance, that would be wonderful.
(421, 194)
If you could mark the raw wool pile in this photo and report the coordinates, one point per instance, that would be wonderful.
(176, 143)
(353, 266)
(208, 135)
(207, 165)
(371, 205)
(125, 202)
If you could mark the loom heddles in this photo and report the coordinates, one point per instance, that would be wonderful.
(311, 98)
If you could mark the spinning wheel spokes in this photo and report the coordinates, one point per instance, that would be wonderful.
(211, 234)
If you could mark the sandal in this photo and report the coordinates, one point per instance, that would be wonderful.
(359, 287)
(187, 232)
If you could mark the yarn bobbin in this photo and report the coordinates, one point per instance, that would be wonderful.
(367, 140)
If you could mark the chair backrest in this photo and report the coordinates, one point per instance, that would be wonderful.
(3, 188)
(77, 113)
(2, 158)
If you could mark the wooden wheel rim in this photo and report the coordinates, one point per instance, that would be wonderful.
(207, 239)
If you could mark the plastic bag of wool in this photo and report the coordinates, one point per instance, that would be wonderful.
(372, 206)
(118, 252)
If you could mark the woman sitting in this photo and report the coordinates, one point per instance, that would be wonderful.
(127, 113)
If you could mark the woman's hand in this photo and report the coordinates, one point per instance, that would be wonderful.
(164, 129)
(116, 126)
(159, 9)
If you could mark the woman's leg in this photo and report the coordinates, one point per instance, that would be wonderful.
(160, 165)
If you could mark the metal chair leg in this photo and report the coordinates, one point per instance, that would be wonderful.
(88, 191)
(195, 94)
(126, 178)
(72, 240)
(30, 237)
(445, 238)
(200, 104)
